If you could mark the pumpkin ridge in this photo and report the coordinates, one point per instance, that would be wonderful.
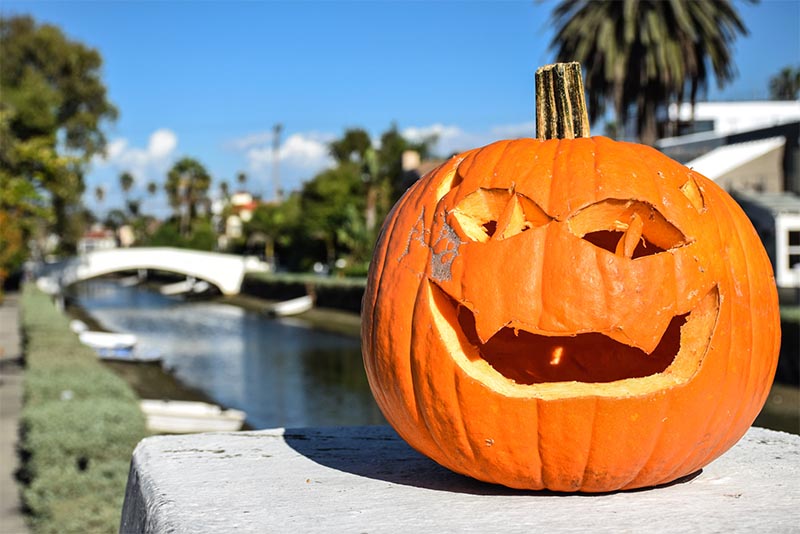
(743, 231)
(590, 451)
(417, 377)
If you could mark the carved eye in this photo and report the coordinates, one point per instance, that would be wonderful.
(627, 228)
(497, 214)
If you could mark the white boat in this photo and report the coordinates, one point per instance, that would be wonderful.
(177, 288)
(129, 281)
(190, 285)
(107, 340)
(186, 417)
(112, 346)
(78, 326)
(292, 306)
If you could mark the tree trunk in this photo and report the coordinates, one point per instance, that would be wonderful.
(648, 134)
(369, 211)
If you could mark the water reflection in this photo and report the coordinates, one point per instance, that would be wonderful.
(280, 372)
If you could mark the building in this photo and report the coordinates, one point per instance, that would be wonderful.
(744, 146)
(776, 217)
(97, 238)
(752, 150)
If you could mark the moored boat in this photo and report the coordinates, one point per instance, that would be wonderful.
(294, 306)
(186, 417)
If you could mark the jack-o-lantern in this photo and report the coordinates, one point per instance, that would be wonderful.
(576, 315)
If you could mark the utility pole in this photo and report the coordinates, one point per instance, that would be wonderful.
(276, 145)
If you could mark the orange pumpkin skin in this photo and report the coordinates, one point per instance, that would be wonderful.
(592, 400)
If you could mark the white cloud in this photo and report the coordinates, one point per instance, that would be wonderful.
(145, 164)
(300, 156)
(299, 150)
(162, 143)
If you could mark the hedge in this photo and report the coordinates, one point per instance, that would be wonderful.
(79, 424)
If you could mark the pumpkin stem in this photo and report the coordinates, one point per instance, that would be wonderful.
(560, 102)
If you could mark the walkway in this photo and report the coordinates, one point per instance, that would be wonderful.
(11, 518)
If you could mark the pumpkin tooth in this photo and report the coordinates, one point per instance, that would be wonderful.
(630, 237)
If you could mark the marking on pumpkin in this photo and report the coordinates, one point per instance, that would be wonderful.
(417, 233)
(444, 251)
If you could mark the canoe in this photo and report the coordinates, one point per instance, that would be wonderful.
(186, 417)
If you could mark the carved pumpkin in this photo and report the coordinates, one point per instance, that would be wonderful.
(576, 315)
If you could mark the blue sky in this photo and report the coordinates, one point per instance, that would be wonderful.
(210, 79)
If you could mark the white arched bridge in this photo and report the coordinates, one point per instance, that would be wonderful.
(225, 271)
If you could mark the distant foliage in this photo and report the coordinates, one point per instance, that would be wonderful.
(53, 107)
(786, 84)
(201, 236)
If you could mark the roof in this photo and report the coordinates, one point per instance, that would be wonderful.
(736, 117)
(776, 203)
(722, 160)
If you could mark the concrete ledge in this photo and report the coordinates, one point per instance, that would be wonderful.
(366, 479)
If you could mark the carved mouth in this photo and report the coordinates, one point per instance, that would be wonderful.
(524, 358)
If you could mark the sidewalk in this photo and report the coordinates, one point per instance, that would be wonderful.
(11, 518)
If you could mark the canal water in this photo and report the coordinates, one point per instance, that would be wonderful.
(279, 371)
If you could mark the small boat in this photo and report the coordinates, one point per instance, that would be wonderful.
(177, 288)
(107, 341)
(291, 307)
(117, 347)
(186, 417)
(129, 281)
(188, 286)
(78, 326)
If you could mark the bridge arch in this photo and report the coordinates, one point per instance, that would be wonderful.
(225, 271)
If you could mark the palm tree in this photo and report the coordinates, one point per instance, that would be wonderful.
(152, 188)
(786, 84)
(645, 54)
(187, 188)
(241, 178)
(126, 182)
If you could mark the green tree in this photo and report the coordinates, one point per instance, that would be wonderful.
(54, 105)
(644, 54)
(785, 85)
(187, 189)
(380, 168)
(325, 202)
(276, 223)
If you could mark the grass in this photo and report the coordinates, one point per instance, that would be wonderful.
(80, 424)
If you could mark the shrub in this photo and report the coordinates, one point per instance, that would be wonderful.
(80, 424)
